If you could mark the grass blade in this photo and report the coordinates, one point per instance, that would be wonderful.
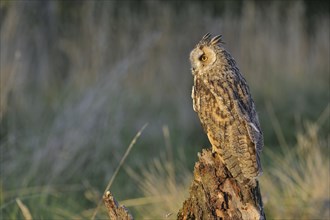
(25, 211)
(118, 167)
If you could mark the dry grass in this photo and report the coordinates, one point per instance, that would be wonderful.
(164, 184)
(163, 194)
(296, 185)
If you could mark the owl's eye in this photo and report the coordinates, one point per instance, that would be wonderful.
(203, 58)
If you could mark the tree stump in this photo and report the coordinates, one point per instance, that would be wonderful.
(215, 194)
(115, 211)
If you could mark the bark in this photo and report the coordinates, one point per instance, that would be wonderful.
(115, 210)
(215, 194)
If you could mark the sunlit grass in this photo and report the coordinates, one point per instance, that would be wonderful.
(163, 194)
(296, 184)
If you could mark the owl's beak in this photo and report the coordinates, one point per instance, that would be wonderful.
(193, 71)
(193, 66)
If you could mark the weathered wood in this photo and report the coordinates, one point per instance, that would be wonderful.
(115, 211)
(215, 194)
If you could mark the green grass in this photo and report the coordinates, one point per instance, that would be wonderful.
(78, 83)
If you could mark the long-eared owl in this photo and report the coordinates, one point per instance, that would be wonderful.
(222, 99)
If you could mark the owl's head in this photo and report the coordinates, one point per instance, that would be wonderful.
(204, 55)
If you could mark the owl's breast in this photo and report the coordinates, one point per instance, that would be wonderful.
(212, 111)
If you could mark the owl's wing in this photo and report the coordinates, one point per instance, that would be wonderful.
(238, 91)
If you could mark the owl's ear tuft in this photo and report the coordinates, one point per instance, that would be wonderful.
(206, 36)
(217, 39)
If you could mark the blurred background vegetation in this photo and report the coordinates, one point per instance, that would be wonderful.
(79, 79)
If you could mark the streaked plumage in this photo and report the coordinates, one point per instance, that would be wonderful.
(222, 99)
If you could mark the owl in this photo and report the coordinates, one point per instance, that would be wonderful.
(223, 102)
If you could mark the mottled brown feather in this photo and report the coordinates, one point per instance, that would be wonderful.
(222, 99)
